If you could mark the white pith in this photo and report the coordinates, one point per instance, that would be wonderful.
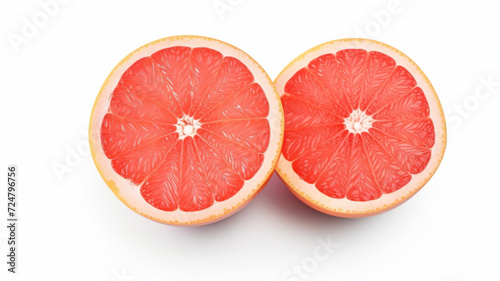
(358, 122)
(129, 193)
(187, 126)
(345, 207)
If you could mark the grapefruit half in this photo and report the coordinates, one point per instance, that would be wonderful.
(186, 130)
(364, 128)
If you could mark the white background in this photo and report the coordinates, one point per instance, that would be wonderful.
(72, 227)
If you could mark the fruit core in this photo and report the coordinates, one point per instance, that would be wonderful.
(187, 126)
(358, 122)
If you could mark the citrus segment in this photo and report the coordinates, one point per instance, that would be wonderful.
(334, 178)
(174, 66)
(137, 163)
(250, 102)
(303, 114)
(297, 142)
(231, 78)
(307, 88)
(412, 105)
(244, 160)
(204, 66)
(351, 69)
(390, 176)
(412, 158)
(326, 70)
(398, 83)
(252, 133)
(121, 134)
(184, 130)
(145, 80)
(362, 184)
(364, 129)
(313, 163)
(162, 189)
(195, 190)
(419, 132)
(226, 182)
(378, 68)
(130, 104)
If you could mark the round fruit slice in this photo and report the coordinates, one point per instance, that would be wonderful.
(186, 130)
(364, 129)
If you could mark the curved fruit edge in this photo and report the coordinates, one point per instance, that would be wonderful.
(350, 213)
(111, 184)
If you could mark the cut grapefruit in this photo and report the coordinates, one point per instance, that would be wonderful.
(186, 130)
(364, 128)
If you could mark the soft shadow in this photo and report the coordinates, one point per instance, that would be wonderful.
(277, 202)
(290, 208)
